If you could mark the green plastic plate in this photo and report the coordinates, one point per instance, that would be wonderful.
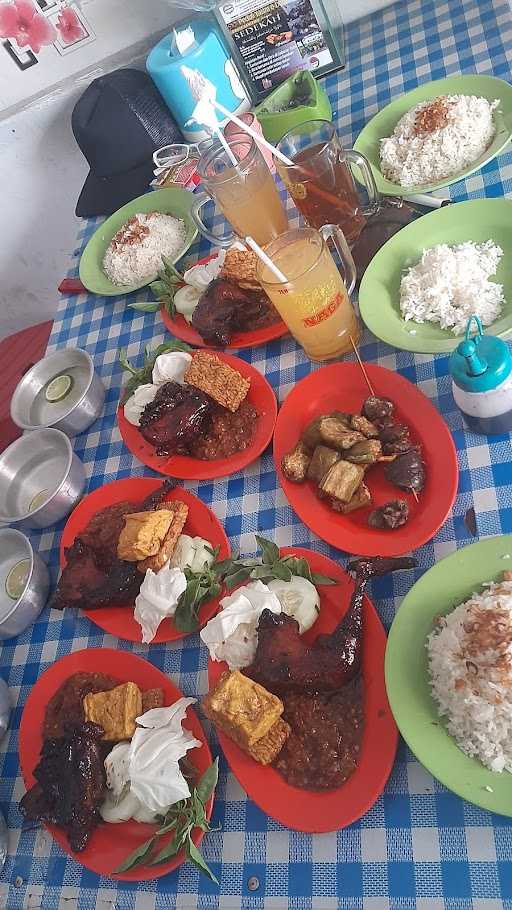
(168, 201)
(379, 293)
(449, 583)
(382, 125)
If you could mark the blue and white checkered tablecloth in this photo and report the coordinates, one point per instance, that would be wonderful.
(420, 846)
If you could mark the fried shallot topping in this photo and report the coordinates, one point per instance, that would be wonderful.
(431, 118)
(130, 234)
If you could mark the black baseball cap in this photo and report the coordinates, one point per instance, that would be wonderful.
(118, 122)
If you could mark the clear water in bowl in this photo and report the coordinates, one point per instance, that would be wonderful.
(44, 412)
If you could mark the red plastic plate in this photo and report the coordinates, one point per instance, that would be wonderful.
(109, 844)
(331, 810)
(201, 522)
(260, 395)
(180, 328)
(341, 387)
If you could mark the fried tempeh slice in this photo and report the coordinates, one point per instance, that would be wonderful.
(243, 709)
(266, 749)
(295, 463)
(211, 375)
(115, 710)
(143, 534)
(342, 480)
(179, 512)
(152, 698)
(240, 267)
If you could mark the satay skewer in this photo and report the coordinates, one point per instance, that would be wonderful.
(368, 383)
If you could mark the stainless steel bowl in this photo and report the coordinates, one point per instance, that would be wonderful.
(41, 480)
(83, 403)
(17, 613)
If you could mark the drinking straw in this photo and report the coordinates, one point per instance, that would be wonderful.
(266, 260)
(203, 92)
(430, 202)
(256, 136)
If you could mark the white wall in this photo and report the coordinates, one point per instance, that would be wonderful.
(41, 168)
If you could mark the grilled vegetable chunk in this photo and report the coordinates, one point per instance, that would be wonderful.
(342, 480)
(362, 497)
(311, 435)
(323, 459)
(367, 452)
(335, 434)
(295, 463)
(364, 426)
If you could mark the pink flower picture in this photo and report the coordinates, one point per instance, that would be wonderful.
(69, 26)
(23, 22)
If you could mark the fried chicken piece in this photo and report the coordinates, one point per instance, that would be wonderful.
(174, 418)
(285, 663)
(70, 784)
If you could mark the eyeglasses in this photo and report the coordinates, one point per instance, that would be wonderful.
(172, 155)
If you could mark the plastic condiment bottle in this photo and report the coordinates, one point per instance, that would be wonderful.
(481, 371)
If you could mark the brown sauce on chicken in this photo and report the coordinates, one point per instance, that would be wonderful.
(228, 433)
(104, 528)
(323, 748)
(65, 707)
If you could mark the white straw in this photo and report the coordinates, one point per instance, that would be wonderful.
(266, 260)
(430, 202)
(256, 136)
(220, 135)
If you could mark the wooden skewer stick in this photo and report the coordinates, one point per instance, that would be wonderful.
(414, 493)
(361, 364)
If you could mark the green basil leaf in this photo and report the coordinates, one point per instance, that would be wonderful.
(172, 848)
(199, 813)
(319, 579)
(138, 857)
(224, 566)
(207, 782)
(269, 549)
(185, 619)
(261, 572)
(144, 307)
(281, 572)
(195, 857)
(231, 581)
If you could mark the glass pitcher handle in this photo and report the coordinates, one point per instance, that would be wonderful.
(333, 232)
(223, 240)
(355, 158)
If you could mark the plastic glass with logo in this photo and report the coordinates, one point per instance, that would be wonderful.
(321, 182)
(315, 300)
(245, 192)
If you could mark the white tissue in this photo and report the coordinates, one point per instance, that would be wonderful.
(231, 635)
(158, 598)
(171, 367)
(136, 403)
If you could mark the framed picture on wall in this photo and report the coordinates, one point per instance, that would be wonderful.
(73, 29)
(23, 57)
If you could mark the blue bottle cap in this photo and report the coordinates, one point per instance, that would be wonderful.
(481, 363)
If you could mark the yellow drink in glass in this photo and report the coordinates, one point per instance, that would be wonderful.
(245, 192)
(314, 302)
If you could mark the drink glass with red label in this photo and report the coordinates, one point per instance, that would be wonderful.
(315, 300)
(320, 181)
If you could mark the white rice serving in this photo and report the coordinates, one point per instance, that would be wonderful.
(451, 283)
(470, 666)
(437, 139)
(135, 251)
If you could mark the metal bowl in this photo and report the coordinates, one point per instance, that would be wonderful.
(17, 613)
(41, 480)
(30, 408)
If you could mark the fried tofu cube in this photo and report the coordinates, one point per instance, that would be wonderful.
(152, 698)
(179, 511)
(335, 434)
(364, 426)
(342, 480)
(322, 459)
(243, 709)
(211, 375)
(295, 463)
(266, 749)
(115, 711)
(361, 498)
(143, 534)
